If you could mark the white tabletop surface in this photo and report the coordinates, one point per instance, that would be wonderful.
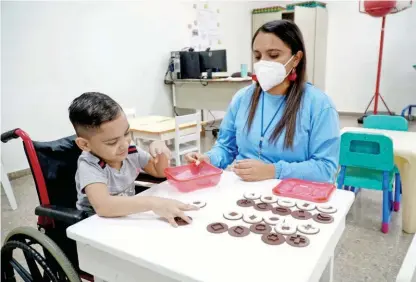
(404, 142)
(190, 253)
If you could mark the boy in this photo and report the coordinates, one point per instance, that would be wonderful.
(108, 165)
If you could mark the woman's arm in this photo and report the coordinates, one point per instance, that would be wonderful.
(224, 151)
(324, 146)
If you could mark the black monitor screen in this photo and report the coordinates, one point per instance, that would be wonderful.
(215, 60)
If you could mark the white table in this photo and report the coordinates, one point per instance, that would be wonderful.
(404, 146)
(143, 248)
(151, 128)
(407, 272)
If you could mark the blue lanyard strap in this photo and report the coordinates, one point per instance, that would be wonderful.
(263, 131)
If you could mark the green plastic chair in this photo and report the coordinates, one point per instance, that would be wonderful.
(367, 161)
(386, 122)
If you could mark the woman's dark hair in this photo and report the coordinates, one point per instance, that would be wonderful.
(290, 34)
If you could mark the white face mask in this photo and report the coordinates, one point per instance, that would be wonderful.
(270, 73)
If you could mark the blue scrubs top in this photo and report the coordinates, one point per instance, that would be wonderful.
(316, 144)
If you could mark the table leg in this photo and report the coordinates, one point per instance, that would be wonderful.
(8, 188)
(408, 179)
(328, 274)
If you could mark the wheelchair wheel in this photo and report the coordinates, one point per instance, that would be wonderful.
(52, 265)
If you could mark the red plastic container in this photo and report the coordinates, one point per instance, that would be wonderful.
(304, 190)
(192, 177)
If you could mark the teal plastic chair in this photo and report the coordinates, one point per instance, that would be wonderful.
(367, 161)
(386, 122)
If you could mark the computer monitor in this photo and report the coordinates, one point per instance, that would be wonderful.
(213, 61)
(189, 65)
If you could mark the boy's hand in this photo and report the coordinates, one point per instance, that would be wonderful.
(196, 157)
(157, 148)
(170, 209)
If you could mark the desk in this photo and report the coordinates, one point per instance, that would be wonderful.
(157, 128)
(404, 146)
(407, 272)
(206, 94)
(143, 248)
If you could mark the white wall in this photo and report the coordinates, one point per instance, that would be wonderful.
(54, 51)
(353, 44)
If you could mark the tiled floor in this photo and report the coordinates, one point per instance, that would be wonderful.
(363, 254)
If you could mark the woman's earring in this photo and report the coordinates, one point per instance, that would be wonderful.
(292, 76)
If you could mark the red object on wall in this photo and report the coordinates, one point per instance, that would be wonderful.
(378, 8)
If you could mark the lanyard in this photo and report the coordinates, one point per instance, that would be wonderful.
(263, 131)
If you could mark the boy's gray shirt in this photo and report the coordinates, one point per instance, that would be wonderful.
(92, 169)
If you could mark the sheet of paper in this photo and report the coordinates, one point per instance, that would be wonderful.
(208, 24)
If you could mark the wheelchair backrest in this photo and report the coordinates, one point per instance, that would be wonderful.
(58, 161)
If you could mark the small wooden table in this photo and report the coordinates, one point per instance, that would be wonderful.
(156, 128)
(404, 146)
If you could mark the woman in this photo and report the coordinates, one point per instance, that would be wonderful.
(282, 127)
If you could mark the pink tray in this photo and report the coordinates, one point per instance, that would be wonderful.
(304, 190)
(192, 177)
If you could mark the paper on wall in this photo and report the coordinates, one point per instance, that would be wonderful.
(208, 23)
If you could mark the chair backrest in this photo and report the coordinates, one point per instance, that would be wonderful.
(362, 150)
(386, 122)
(187, 129)
(59, 161)
(130, 112)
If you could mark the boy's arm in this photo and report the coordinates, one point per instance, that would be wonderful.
(155, 162)
(106, 205)
(156, 166)
(92, 181)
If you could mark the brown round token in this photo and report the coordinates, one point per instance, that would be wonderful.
(323, 218)
(281, 211)
(217, 227)
(179, 221)
(238, 231)
(260, 228)
(297, 240)
(273, 238)
(245, 203)
(263, 207)
(199, 204)
(301, 214)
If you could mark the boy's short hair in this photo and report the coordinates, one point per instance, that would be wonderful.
(92, 109)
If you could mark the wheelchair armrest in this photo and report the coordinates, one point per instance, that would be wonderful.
(67, 215)
(144, 177)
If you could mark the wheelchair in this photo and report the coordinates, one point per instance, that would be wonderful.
(53, 165)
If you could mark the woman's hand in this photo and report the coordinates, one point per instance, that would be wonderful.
(254, 170)
(196, 157)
